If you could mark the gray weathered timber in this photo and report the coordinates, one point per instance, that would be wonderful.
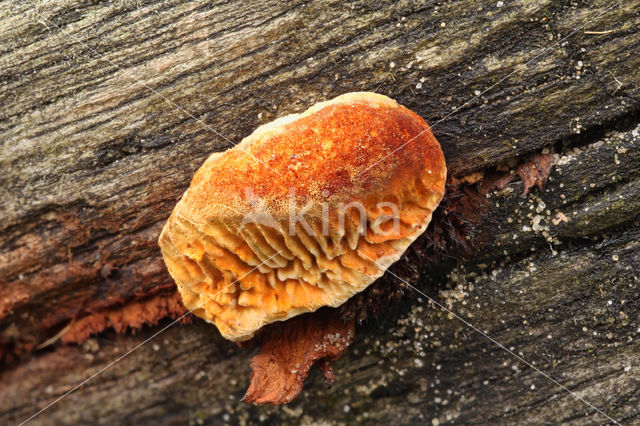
(106, 110)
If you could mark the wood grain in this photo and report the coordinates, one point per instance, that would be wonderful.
(107, 109)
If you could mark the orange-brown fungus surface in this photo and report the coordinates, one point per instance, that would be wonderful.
(305, 212)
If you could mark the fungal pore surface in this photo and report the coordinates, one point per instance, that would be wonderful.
(305, 212)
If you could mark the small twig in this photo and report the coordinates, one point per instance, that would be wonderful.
(55, 338)
(598, 32)
(620, 84)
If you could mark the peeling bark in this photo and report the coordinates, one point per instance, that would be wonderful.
(289, 349)
(535, 172)
(129, 317)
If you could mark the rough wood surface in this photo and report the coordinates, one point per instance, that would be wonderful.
(108, 109)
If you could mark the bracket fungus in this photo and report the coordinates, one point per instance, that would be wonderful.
(305, 212)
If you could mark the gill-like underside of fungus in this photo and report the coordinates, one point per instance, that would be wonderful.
(241, 278)
(290, 348)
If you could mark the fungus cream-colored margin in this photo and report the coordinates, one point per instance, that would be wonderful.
(46, 22)
(500, 345)
(141, 344)
(214, 231)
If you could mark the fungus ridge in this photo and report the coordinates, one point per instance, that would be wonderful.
(360, 149)
(242, 279)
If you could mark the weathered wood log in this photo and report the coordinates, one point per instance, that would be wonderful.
(107, 110)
